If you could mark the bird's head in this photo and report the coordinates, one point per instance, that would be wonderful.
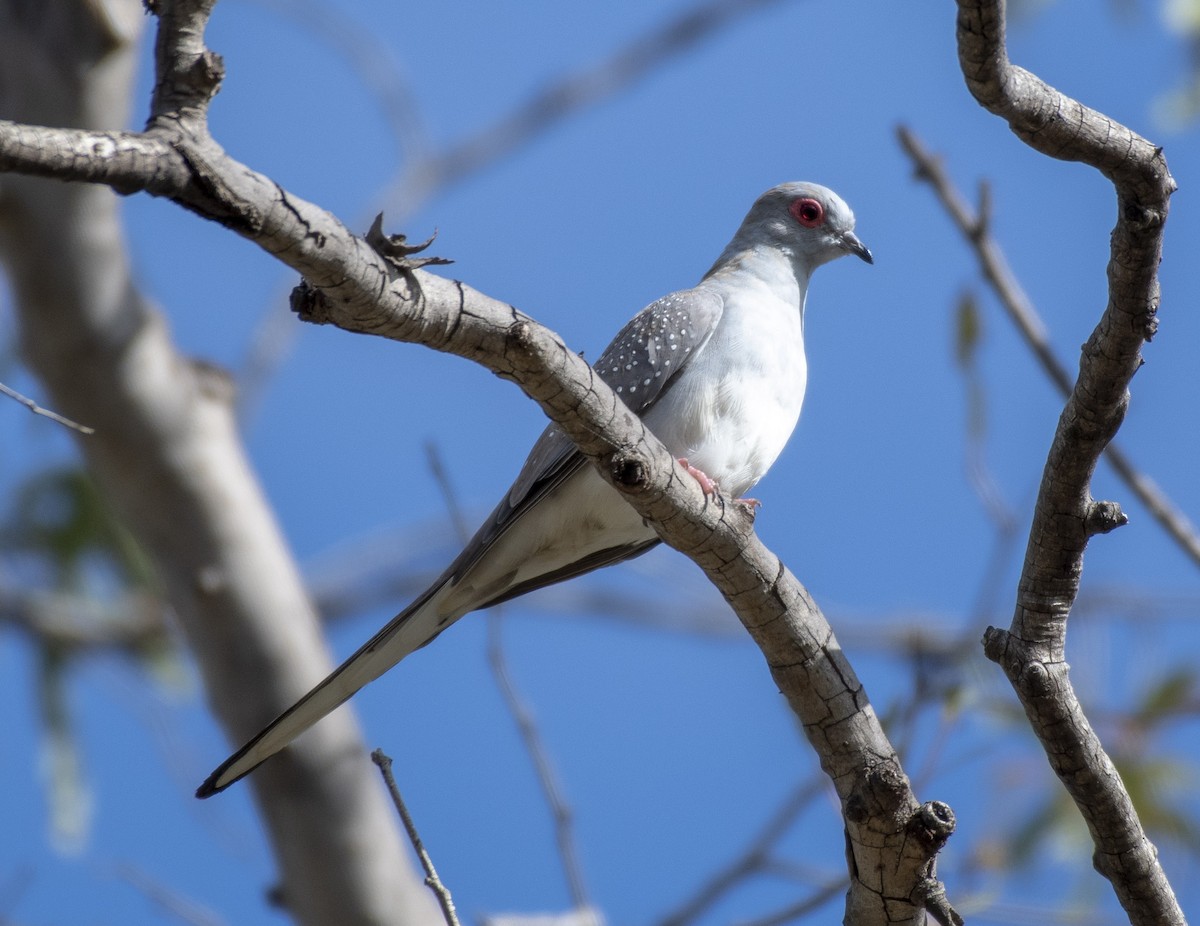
(808, 222)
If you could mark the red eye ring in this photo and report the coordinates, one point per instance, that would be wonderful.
(807, 211)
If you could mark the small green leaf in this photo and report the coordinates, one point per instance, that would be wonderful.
(968, 330)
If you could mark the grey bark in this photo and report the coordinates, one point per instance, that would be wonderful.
(1032, 650)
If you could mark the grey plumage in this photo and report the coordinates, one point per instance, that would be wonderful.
(718, 374)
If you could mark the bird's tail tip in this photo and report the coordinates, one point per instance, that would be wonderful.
(208, 788)
(217, 782)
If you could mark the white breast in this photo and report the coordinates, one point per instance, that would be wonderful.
(736, 404)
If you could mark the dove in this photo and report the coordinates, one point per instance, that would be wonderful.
(717, 372)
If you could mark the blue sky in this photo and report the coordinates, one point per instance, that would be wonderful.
(673, 748)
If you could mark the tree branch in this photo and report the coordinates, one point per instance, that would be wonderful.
(974, 226)
(752, 860)
(22, 399)
(1031, 651)
(434, 883)
(569, 94)
(522, 715)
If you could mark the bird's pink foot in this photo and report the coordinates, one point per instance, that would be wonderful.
(708, 486)
(752, 503)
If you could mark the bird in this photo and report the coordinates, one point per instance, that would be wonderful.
(717, 372)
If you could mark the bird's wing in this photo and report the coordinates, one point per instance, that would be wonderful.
(640, 364)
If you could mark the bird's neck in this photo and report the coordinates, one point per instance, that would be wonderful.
(758, 266)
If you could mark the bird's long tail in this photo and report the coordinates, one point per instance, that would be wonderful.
(411, 629)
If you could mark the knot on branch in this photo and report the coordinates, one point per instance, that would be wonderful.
(629, 471)
(205, 74)
(1103, 517)
(1141, 217)
(191, 83)
(1029, 674)
(1035, 681)
(880, 793)
(310, 304)
(1151, 326)
(932, 824)
(995, 643)
(520, 346)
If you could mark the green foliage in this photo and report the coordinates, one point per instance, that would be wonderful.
(60, 518)
(86, 585)
(968, 331)
(1180, 107)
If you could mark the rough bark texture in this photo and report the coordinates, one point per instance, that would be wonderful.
(167, 455)
(1032, 650)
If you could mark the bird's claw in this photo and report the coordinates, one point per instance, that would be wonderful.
(708, 486)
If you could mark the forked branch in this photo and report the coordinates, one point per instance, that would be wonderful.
(1031, 651)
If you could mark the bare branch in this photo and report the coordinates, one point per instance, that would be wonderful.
(569, 95)
(1031, 652)
(362, 49)
(69, 623)
(933, 894)
(560, 810)
(801, 908)
(169, 900)
(975, 228)
(445, 900)
(754, 859)
(45, 412)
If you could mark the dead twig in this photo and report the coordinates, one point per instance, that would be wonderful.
(445, 901)
(974, 226)
(45, 412)
(560, 810)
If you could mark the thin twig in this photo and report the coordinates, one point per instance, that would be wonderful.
(45, 412)
(362, 49)
(177, 905)
(361, 45)
(445, 901)
(437, 469)
(568, 95)
(1013, 298)
(560, 809)
(754, 859)
(801, 908)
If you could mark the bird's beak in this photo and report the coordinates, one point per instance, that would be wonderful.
(851, 243)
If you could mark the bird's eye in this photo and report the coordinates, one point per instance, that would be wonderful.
(807, 211)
